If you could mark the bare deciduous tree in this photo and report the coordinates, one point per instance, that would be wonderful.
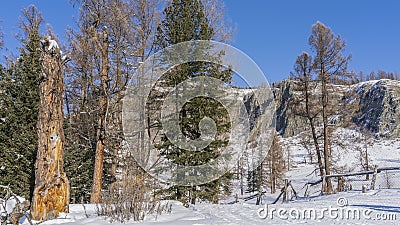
(329, 64)
(306, 104)
(102, 43)
(114, 37)
(215, 13)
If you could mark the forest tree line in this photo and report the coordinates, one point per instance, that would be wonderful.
(111, 40)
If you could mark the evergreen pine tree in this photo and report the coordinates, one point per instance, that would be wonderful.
(19, 110)
(79, 160)
(186, 21)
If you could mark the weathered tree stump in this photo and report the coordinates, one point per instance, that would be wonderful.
(51, 193)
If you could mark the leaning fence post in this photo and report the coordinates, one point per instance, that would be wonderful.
(374, 178)
(285, 193)
(340, 185)
(364, 188)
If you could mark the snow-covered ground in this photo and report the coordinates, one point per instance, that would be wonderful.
(346, 157)
(374, 207)
(380, 206)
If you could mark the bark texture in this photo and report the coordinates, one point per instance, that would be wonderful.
(51, 193)
(103, 45)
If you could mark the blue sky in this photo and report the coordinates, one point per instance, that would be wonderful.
(272, 33)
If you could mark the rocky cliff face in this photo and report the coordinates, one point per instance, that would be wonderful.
(286, 123)
(377, 109)
(379, 106)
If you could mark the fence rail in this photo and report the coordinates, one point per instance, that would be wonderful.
(378, 178)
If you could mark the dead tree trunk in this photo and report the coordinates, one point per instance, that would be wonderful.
(51, 193)
(102, 44)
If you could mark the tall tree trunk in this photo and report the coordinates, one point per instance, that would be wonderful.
(326, 134)
(51, 193)
(117, 119)
(317, 149)
(259, 184)
(273, 174)
(366, 153)
(312, 125)
(101, 129)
